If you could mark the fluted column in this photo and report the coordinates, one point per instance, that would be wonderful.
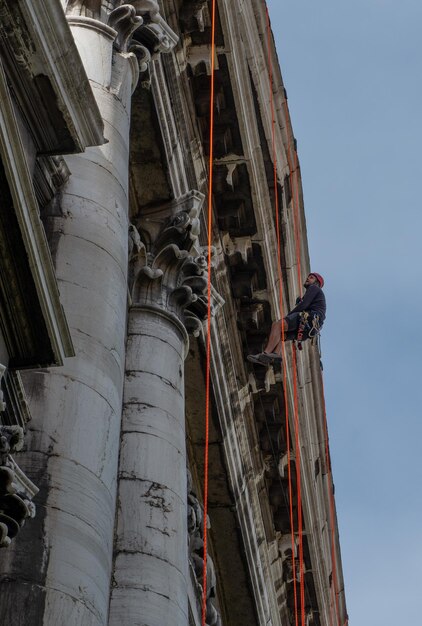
(151, 553)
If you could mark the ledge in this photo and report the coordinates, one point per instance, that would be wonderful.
(30, 343)
(48, 78)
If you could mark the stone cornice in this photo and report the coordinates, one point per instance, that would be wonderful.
(33, 235)
(48, 78)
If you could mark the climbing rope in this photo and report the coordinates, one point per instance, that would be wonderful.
(293, 164)
(280, 281)
(294, 186)
(299, 484)
(208, 343)
(330, 485)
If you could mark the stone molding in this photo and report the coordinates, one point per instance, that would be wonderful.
(26, 207)
(48, 78)
(165, 108)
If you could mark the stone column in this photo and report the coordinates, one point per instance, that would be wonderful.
(59, 573)
(151, 553)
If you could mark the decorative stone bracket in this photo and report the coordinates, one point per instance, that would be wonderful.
(155, 34)
(16, 490)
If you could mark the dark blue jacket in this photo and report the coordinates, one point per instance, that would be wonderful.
(313, 301)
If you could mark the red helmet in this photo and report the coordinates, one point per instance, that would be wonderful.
(318, 277)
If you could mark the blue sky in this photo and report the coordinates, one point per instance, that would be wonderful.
(352, 71)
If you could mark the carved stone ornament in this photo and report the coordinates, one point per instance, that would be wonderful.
(168, 269)
(196, 554)
(155, 34)
(16, 490)
(143, 16)
(125, 21)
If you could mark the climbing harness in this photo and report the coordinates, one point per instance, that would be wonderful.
(315, 330)
(308, 329)
(303, 326)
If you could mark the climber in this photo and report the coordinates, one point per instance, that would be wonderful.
(312, 303)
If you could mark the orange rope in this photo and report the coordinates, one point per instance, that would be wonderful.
(208, 349)
(294, 186)
(280, 279)
(295, 194)
(332, 508)
(299, 485)
(295, 201)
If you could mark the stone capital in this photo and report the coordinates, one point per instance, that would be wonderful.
(142, 16)
(136, 27)
(168, 267)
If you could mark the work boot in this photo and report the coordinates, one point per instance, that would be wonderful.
(264, 358)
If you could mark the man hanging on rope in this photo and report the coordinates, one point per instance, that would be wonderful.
(296, 325)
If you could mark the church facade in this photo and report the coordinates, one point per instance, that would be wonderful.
(104, 179)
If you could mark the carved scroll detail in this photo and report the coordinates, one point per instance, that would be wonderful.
(16, 490)
(125, 21)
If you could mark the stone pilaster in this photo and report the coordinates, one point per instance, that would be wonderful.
(151, 552)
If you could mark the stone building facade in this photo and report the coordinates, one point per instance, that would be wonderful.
(104, 137)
